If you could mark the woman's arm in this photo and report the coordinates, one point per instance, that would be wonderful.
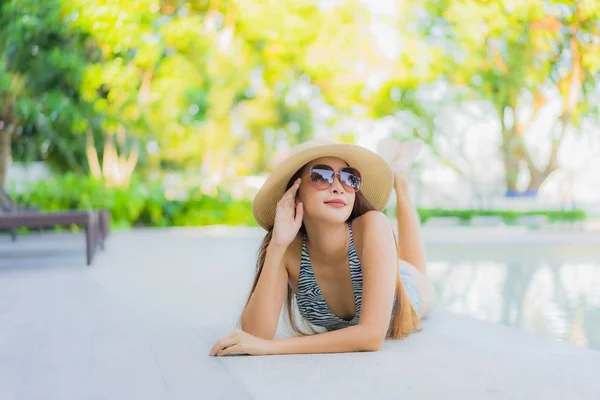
(353, 338)
(379, 262)
(350, 339)
(379, 267)
(261, 316)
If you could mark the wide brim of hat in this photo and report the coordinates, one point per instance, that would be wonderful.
(377, 177)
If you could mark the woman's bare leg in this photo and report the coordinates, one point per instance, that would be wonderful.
(410, 244)
(411, 250)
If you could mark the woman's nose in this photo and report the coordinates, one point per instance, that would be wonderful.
(337, 184)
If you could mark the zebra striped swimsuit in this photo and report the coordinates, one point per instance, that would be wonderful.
(312, 305)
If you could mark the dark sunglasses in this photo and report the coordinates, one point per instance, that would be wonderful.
(322, 176)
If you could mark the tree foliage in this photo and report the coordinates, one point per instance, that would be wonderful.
(515, 56)
(217, 86)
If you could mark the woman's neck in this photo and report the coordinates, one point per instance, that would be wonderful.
(326, 241)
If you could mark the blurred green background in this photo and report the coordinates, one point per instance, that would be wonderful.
(170, 112)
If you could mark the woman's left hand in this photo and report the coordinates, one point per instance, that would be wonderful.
(241, 342)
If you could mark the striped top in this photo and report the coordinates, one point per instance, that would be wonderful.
(312, 305)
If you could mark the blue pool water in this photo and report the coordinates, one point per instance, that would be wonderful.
(551, 290)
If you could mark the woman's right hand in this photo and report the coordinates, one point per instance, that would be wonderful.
(288, 217)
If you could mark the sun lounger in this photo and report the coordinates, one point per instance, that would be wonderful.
(95, 224)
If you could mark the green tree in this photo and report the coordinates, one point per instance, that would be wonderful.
(213, 84)
(41, 72)
(514, 56)
(511, 55)
(6, 121)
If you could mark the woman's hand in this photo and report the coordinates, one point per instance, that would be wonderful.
(288, 217)
(241, 342)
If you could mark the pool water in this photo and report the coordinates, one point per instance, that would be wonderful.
(550, 290)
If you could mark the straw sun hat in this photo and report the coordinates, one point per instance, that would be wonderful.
(377, 176)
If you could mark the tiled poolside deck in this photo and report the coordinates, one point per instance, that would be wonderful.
(139, 323)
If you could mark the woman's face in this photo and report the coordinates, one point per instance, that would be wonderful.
(321, 204)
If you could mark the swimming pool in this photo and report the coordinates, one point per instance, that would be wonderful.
(545, 289)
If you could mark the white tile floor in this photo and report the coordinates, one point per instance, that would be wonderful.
(139, 323)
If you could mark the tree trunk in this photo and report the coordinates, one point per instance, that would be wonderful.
(4, 154)
(537, 178)
(510, 153)
(515, 151)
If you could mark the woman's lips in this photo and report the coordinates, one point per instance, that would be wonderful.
(335, 203)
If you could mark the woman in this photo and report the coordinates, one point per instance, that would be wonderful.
(330, 247)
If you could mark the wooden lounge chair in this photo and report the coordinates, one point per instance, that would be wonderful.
(95, 223)
(7, 204)
(89, 220)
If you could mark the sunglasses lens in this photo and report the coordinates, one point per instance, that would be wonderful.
(350, 179)
(321, 177)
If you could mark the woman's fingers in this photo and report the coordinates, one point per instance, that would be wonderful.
(223, 343)
(291, 192)
(299, 212)
(289, 198)
(216, 348)
(231, 349)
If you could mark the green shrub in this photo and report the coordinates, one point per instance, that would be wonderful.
(74, 192)
(510, 217)
(140, 204)
(145, 204)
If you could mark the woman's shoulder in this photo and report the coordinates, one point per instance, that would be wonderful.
(371, 222)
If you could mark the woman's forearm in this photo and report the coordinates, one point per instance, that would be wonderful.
(261, 316)
(350, 339)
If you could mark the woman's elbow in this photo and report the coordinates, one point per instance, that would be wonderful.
(373, 345)
(262, 332)
(372, 342)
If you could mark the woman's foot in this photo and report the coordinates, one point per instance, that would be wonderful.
(399, 155)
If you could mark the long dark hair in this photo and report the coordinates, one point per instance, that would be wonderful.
(405, 319)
